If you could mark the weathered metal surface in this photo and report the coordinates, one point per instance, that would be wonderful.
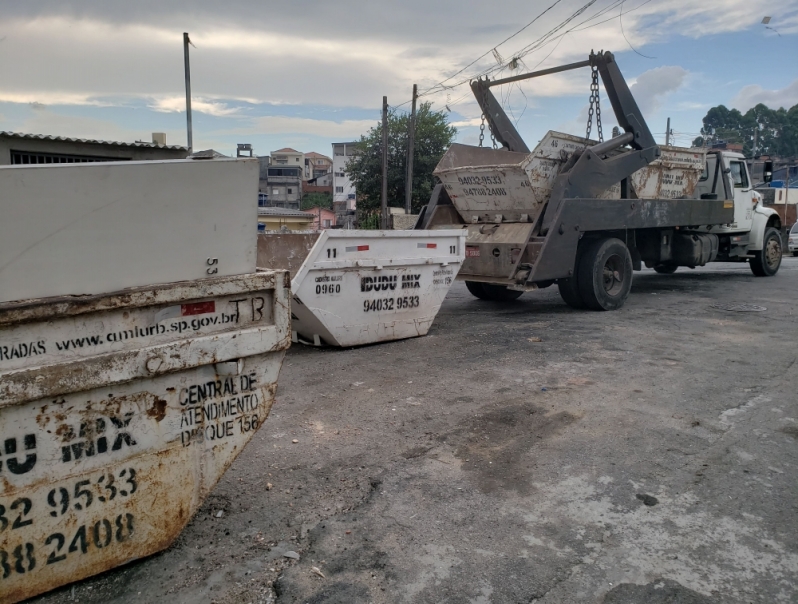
(501, 186)
(100, 227)
(284, 251)
(362, 287)
(674, 174)
(129, 335)
(93, 475)
(494, 249)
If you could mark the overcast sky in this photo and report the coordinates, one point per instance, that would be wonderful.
(305, 74)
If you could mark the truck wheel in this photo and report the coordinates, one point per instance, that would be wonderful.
(766, 262)
(665, 269)
(569, 288)
(475, 287)
(569, 292)
(500, 293)
(605, 274)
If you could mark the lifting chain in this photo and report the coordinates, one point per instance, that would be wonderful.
(482, 125)
(594, 102)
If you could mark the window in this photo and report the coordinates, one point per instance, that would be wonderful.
(275, 191)
(339, 189)
(739, 175)
(261, 227)
(297, 160)
(326, 223)
(340, 174)
(705, 175)
(290, 190)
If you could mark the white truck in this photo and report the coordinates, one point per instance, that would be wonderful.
(586, 214)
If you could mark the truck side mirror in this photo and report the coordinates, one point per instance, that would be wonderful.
(767, 171)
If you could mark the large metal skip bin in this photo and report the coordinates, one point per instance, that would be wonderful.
(490, 185)
(360, 287)
(119, 413)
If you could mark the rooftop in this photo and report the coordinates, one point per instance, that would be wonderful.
(47, 137)
(286, 150)
(284, 212)
(314, 155)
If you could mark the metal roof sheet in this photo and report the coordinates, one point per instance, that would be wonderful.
(48, 137)
(284, 212)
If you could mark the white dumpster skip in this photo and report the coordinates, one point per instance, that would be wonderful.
(119, 413)
(362, 287)
(489, 185)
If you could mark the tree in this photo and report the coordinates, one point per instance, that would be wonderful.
(433, 137)
(316, 200)
(776, 129)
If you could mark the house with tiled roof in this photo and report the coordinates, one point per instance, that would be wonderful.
(316, 165)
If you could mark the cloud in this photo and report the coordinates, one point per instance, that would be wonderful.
(755, 94)
(278, 124)
(176, 104)
(650, 86)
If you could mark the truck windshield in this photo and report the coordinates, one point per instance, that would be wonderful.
(739, 175)
(794, 229)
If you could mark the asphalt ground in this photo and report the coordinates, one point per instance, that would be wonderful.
(521, 452)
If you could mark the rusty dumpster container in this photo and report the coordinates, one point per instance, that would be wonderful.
(119, 413)
(353, 287)
(490, 185)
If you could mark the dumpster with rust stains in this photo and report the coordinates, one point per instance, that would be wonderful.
(489, 185)
(120, 412)
(353, 287)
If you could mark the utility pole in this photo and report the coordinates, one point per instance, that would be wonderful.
(384, 196)
(411, 140)
(668, 133)
(753, 152)
(186, 42)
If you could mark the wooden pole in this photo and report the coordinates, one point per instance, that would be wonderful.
(384, 196)
(411, 140)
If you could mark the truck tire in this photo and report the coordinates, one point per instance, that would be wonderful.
(475, 287)
(569, 292)
(605, 274)
(493, 293)
(766, 262)
(500, 293)
(665, 269)
(569, 288)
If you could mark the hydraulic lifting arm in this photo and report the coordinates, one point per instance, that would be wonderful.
(593, 172)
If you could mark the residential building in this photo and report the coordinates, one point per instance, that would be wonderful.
(324, 218)
(276, 219)
(284, 186)
(317, 165)
(344, 194)
(18, 148)
(288, 157)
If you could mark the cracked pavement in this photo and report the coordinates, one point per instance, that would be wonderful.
(644, 455)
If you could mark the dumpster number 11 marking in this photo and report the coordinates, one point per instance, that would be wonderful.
(332, 253)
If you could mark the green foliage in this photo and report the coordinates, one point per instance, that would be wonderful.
(777, 129)
(433, 137)
(317, 200)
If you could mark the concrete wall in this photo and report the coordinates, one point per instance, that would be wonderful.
(100, 150)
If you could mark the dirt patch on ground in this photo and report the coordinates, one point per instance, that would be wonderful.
(495, 446)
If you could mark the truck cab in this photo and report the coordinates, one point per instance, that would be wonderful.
(726, 176)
